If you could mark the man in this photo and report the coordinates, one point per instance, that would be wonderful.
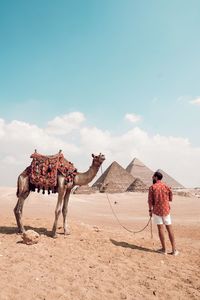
(158, 199)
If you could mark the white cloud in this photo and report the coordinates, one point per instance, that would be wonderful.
(62, 125)
(173, 154)
(195, 101)
(133, 118)
(18, 140)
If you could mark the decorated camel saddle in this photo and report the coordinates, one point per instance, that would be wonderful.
(44, 170)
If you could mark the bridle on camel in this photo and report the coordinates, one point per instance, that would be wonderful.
(127, 229)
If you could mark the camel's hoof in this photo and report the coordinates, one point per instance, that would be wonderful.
(54, 235)
(20, 231)
(67, 232)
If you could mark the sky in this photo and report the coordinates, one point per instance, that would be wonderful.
(118, 77)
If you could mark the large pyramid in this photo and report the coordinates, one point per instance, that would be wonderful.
(170, 181)
(138, 170)
(115, 179)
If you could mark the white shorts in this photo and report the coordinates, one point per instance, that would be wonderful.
(158, 220)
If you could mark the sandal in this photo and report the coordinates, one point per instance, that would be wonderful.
(174, 253)
(162, 251)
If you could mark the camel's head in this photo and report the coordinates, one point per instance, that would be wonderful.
(98, 160)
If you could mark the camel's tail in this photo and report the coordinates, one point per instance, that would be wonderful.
(17, 193)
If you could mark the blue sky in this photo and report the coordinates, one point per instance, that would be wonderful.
(104, 59)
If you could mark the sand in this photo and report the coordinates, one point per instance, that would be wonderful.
(99, 260)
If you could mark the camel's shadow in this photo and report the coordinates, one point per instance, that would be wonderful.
(131, 246)
(14, 230)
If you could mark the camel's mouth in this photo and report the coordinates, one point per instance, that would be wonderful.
(103, 158)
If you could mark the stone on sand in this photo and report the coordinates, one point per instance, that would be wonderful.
(30, 237)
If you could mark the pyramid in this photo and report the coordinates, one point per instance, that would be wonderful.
(84, 189)
(115, 179)
(137, 186)
(138, 170)
(170, 181)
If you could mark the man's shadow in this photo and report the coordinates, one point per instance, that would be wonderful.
(131, 246)
(14, 230)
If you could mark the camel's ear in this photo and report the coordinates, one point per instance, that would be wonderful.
(93, 155)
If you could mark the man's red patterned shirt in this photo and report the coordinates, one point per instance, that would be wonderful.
(159, 196)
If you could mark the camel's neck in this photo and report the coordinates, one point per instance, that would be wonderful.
(86, 177)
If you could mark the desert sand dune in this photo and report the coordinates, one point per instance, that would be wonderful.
(99, 260)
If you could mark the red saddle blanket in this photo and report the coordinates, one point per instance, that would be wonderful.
(43, 171)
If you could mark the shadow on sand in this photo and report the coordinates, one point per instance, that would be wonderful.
(14, 230)
(131, 246)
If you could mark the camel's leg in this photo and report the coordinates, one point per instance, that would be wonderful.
(22, 193)
(18, 214)
(61, 193)
(64, 212)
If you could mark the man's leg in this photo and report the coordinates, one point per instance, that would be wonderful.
(171, 237)
(161, 234)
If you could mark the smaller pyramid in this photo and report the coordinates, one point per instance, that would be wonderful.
(171, 182)
(115, 179)
(83, 189)
(137, 186)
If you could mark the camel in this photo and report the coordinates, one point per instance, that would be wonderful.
(23, 190)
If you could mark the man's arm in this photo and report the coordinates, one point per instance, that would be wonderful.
(170, 195)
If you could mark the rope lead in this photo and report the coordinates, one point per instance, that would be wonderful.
(127, 229)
